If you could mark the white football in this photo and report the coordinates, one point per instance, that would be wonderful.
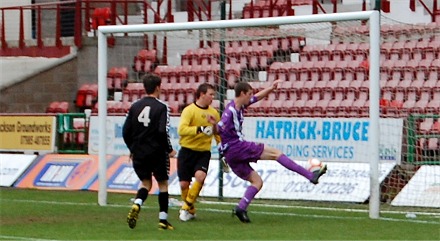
(314, 164)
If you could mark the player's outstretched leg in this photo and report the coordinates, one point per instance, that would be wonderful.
(133, 215)
(318, 173)
(241, 214)
(165, 225)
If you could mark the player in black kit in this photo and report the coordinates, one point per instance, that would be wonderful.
(145, 133)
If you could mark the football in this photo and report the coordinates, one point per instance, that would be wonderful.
(314, 164)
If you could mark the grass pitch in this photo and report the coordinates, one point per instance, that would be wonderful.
(74, 215)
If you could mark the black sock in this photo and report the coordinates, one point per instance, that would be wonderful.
(163, 201)
(142, 194)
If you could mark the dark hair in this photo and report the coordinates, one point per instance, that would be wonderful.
(203, 88)
(242, 87)
(151, 81)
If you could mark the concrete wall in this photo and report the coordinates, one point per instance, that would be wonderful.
(61, 82)
(34, 94)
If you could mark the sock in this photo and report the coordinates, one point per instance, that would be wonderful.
(163, 201)
(249, 195)
(291, 165)
(141, 196)
(163, 216)
(184, 194)
(193, 193)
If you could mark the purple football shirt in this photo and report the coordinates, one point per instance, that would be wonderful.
(230, 124)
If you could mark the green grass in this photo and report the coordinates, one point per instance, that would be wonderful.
(74, 215)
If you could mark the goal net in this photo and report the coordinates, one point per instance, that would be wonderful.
(358, 93)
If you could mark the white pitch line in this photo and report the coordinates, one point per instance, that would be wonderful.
(323, 208)
(228, 211)
(23, 238)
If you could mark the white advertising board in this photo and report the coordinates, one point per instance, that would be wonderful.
(115, 143)
(12, 166)
(423, 190)
(335, 139)
(345, 182)
(331, 139)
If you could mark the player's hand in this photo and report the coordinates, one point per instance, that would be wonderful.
(207, 130)
(172, 153)
(275, 83)
(211, 119)
(225, 166)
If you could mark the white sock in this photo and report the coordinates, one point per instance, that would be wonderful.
(163, 216)
(138, 201)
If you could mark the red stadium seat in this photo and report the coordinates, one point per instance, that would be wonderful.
(315, 94)
(144, 60)
(339, 93)
(327, 94)
(436, 92)
(364, 93)
(303, 94)
(394, 109)
(399, 93)
(78, 125)
(274, 70)
(322, 104)
(125, 106)
(232, 75)
(52, 107)
(292, 72)
(395, 53)
(174, 106)
(412, 93)
(111, 106)
(425, 93)
(433, 106)
(91, 96)
(81, 95)
(433, 144)
(351, 93)
(387, 93)
(63, 107)
(435, 128)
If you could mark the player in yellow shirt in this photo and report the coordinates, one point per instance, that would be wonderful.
(196, 135)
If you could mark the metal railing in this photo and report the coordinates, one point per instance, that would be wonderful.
(415, 153)
(43, 28)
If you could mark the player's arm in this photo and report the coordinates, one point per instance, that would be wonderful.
(164, 127)
(214, 119)
(265, 92)
(127, 130)
(185, 129)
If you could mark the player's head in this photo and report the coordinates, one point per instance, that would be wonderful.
(151, 83)
(243, 90)
(205, 93)
(242, 87)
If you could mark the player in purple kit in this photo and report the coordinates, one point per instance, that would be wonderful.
(239, 153)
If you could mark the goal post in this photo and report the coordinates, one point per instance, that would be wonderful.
(373, 18)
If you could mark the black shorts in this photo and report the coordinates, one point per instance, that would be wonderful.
(189, 161)
(156, 164)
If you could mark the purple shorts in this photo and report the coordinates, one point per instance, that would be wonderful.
(240, 154)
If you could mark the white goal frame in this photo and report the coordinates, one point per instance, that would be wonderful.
(374, 22)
